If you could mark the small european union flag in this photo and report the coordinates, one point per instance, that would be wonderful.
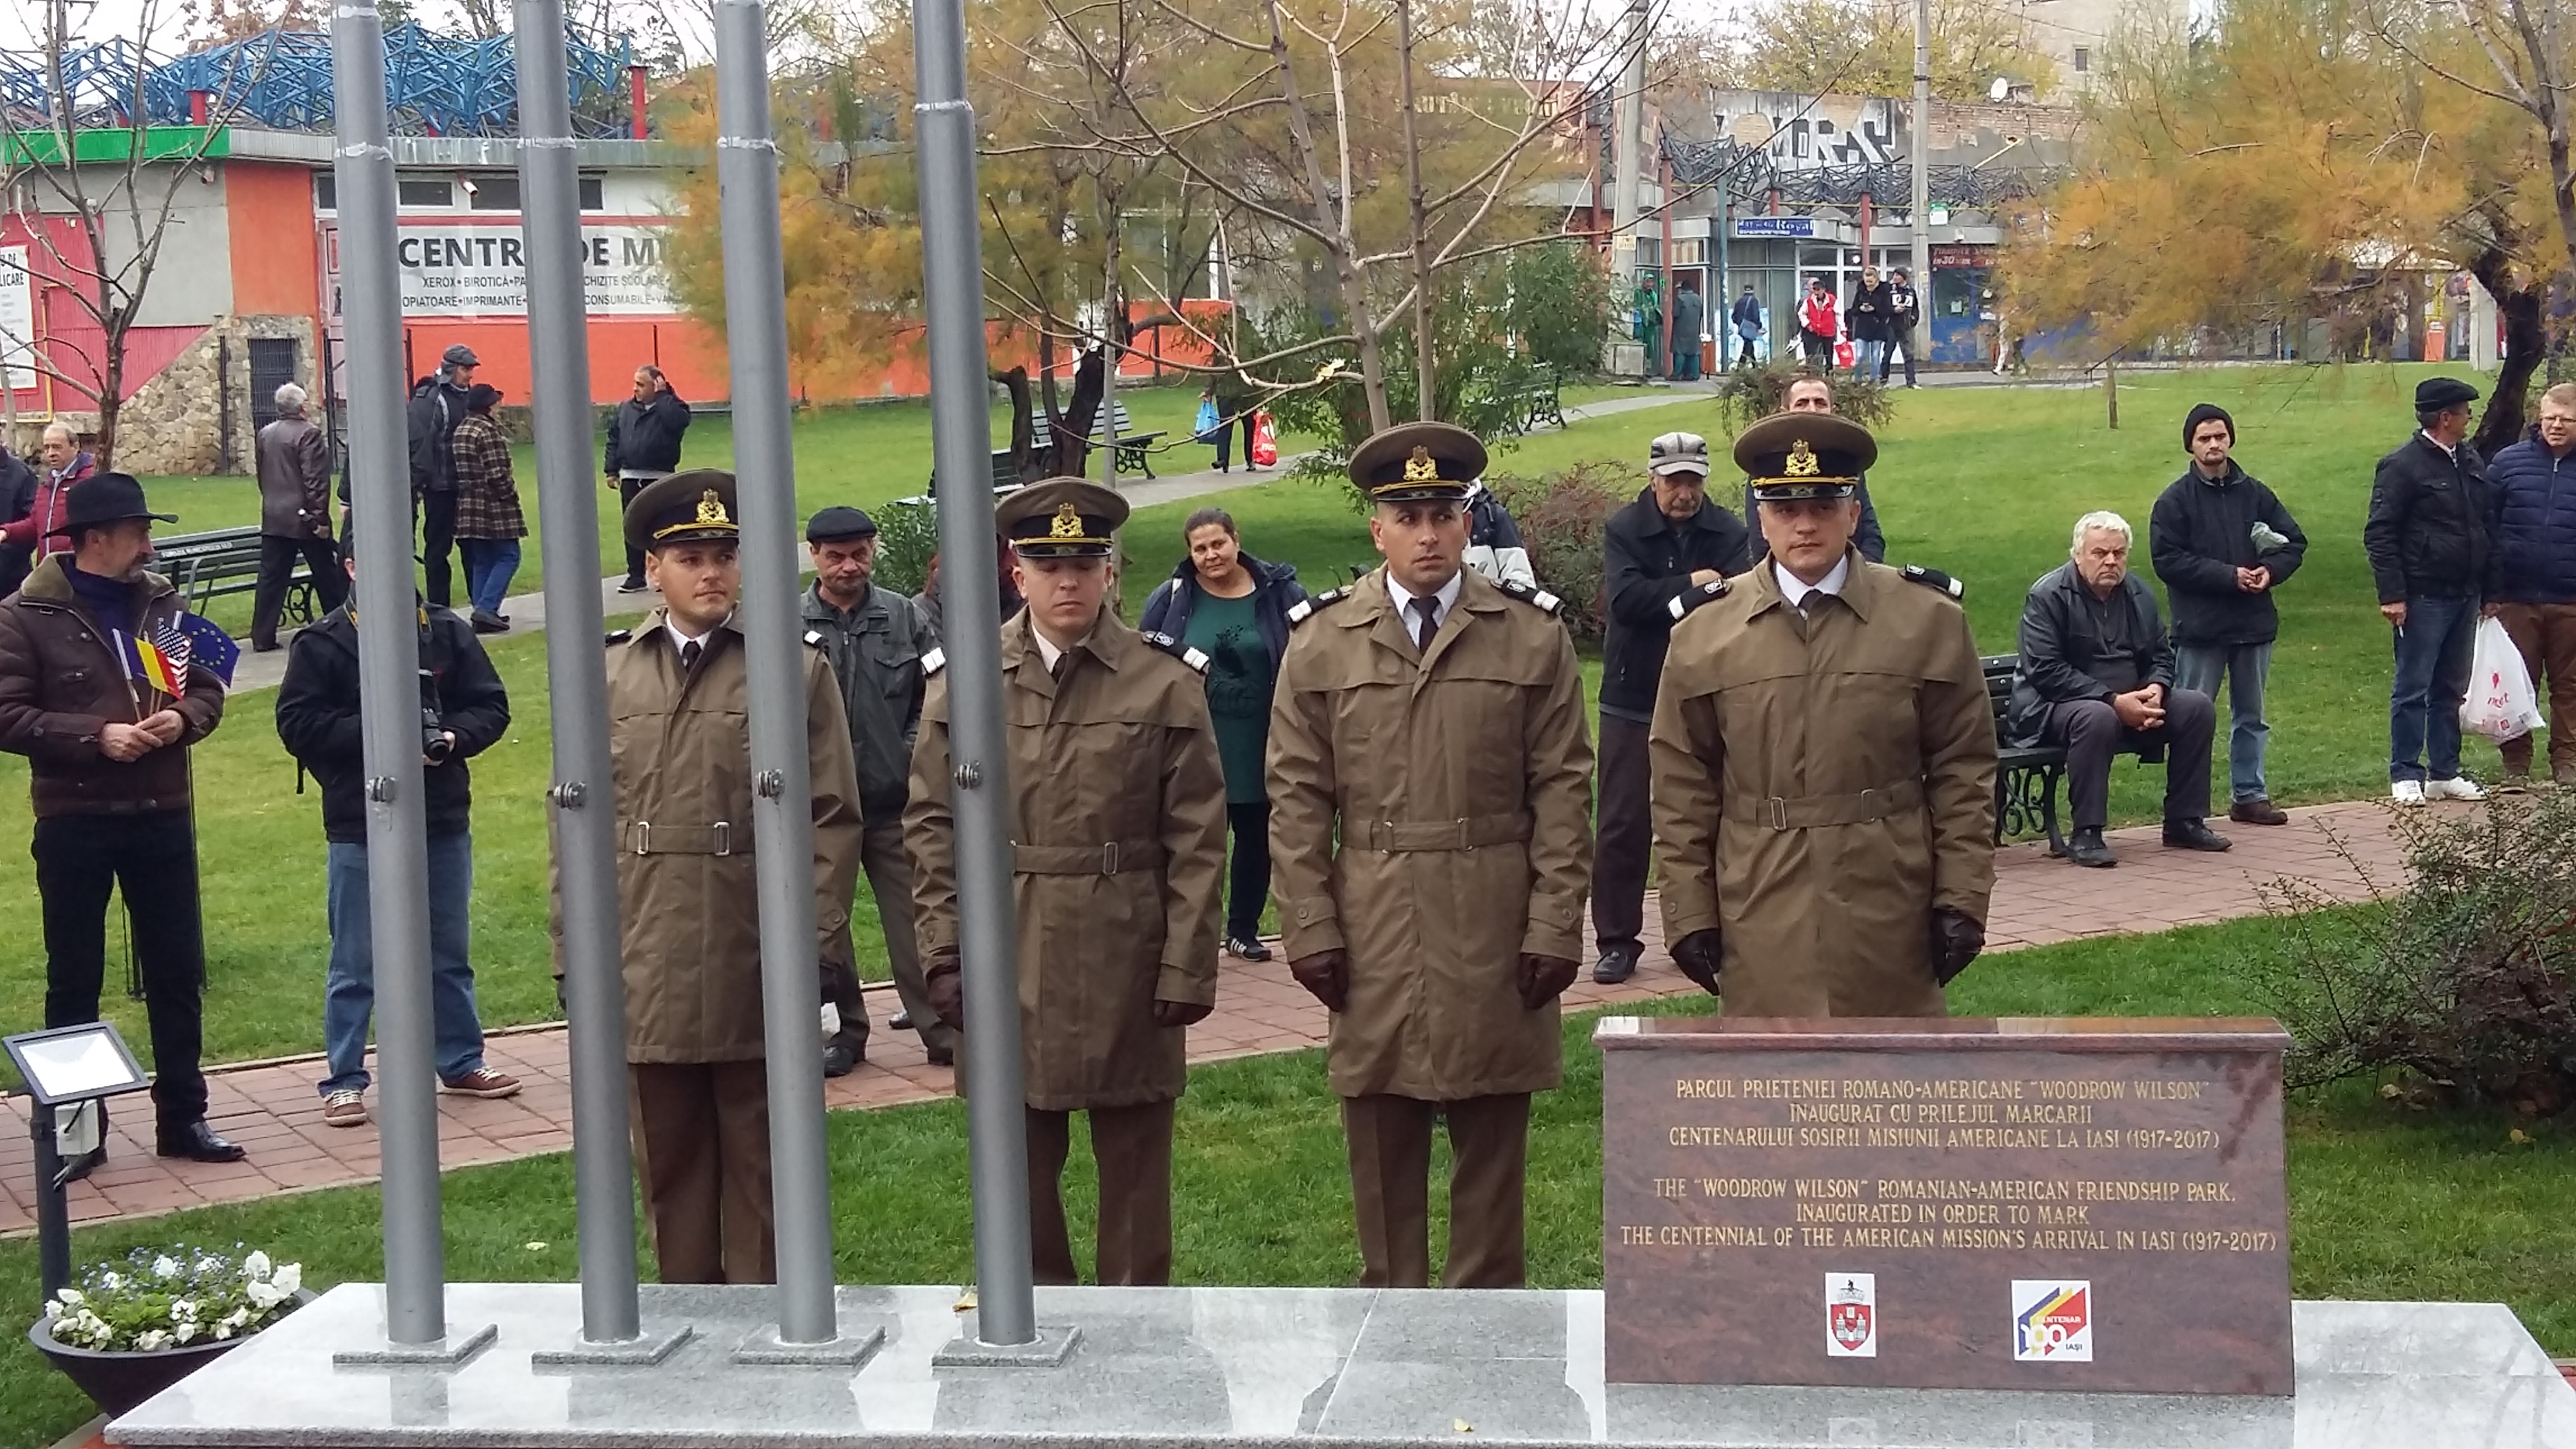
(211, 646)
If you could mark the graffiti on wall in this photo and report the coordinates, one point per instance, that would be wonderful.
(1805, 133)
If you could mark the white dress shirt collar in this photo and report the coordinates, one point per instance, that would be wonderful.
(2449, 450)
(1795, 590)
(1048, 654)
(682, 638)
(1442, 602)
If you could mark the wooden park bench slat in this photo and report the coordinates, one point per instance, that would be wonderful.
(223, 562)
(1133, 447)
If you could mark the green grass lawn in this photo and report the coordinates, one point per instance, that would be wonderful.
(1982, 482)
(2384, 1203)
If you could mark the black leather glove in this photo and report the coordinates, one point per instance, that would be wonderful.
(1543, 979)
(1700, 955)
(1179, 1013)
(1326, 974)
(943, 980)
(1956, 940)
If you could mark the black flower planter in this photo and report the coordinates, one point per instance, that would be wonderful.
(119, 1381)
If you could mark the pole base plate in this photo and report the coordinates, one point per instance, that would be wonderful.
(649, 1347)
(1049, 1349)
(850, 1347)
(450, 1352)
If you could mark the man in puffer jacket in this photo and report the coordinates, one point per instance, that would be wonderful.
(2535, 552)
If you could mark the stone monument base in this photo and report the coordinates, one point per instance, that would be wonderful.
(1281, 1366)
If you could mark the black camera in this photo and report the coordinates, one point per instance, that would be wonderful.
(434, 742)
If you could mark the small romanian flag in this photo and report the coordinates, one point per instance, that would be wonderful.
(160, 660)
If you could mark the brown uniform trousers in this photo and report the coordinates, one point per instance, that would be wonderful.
(1390, 1143)
(1133, 1149)
(702, 1153)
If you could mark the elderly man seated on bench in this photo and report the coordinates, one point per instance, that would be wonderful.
(2096, 679)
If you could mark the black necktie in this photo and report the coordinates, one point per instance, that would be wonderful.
(1426, 621)
(689, 653)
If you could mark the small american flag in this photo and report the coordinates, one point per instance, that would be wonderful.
(163, 657)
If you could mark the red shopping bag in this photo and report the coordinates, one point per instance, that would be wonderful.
(1265, 443)
(1843, 353)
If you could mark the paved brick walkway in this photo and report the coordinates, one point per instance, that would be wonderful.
(273, 1110)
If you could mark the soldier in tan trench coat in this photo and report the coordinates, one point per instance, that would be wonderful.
(697, 1082)
(1824, 759)
(1118, 845)
(1431, 839)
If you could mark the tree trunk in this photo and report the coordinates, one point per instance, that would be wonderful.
(1426, 404)
(2525, 340)
(1023, 424)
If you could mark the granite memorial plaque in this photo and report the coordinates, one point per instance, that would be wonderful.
(2065, 1204)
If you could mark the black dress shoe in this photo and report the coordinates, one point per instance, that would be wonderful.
(840, 1059)
(941, 1056)
(2086, 847)
(1616, 965)
(487, 622)
(197, 1142)
(2194, 835)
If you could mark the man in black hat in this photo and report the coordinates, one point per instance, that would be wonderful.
(436, 408)
(875, 639)
(696, 1051)
(1671, 540)
(1117, 803)
(106, 745)
(2430, 541)
(1824, 758)
(1431, 848)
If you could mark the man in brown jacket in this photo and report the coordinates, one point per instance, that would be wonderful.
(697, 1081)
(294, 517)
(108, 754)
(1824, 759)
(1118, 845)
(1430, 782)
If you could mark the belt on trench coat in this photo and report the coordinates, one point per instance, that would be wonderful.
(1107, 858)
(645, 837)
(1395, 837)
(1807, 811)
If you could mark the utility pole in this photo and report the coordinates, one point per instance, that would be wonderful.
(1922, 327)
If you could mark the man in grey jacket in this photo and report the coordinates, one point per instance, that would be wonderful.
(294, 517)
(876, 640)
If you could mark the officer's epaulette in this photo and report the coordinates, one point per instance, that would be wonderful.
(933, 662)
(1178, 650)
(814, 637)
(1691, 598)
(1313, 604)
(1530, 594)
(618, 636)
(1935, 579)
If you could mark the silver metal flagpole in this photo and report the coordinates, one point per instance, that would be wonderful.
(1922, 329)
(583, 797)
(988, 933)
(388, 682)
(782, 810)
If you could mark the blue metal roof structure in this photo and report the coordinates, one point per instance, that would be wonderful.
(281, 79)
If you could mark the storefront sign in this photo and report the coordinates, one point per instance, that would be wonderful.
(1775, 226)
(1962, 256)
(482, 271)
(17, 319)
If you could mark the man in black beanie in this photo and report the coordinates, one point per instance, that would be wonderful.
(2221, 542)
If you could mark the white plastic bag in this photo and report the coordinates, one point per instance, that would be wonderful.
(2500, 704)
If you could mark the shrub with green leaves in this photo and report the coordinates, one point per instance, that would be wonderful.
(172, 1297)
(1747, 393)
(907, 535)
(2456, 986)
(1560, 518)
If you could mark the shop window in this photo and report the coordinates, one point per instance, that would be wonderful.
(2083, 60)
(440, 195)
(492, 193)
(326, 191)
(593, 197)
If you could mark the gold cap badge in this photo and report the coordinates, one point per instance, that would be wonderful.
(1067, 524)
(1802, 461)
(711, 509)
(1421, 467)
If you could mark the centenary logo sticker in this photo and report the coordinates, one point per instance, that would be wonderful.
(1851, 1315)
(2052, 1321)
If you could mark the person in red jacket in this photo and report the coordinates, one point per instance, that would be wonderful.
(1818, 325)
(39, 531)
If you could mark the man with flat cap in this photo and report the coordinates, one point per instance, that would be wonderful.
(678, 694)
(2431, 542)
(1824, 759)
(875, 639)
(1431, 847)
(1118, 847)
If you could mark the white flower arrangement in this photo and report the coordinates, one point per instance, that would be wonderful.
(170, 1299)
